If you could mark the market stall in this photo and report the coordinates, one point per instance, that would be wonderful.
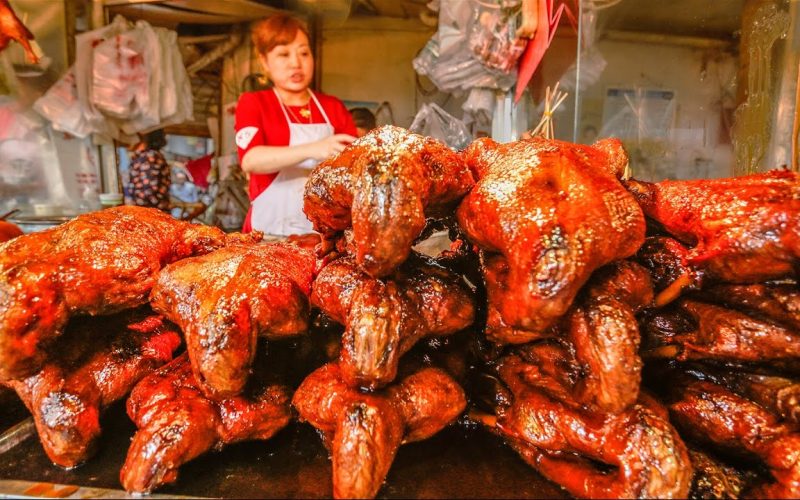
(563, 262)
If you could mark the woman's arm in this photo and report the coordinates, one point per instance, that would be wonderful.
(269, 159)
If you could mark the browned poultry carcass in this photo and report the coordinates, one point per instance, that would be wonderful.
(384, 318)
(384, 185)
(743, 229)
(98, 263)
(11, 28)
(364, 430)
(714, 479)
(177, 423)
(632, 454)
(667, 261)
(592, 360)
(96, 363)
(547, 214)
(695, 330)
(225, 300)
(715, 416)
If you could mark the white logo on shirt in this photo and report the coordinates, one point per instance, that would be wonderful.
(245, 135)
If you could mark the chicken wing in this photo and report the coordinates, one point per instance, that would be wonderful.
(384, 185)
(364, 430)
(177, 423)
(96, 363)
(712, 414)
(548, 213)
(98, 263)
(632, 454)
(224, 300)
(384, 318)
(591, 360)
(694, 330)
(743, 229)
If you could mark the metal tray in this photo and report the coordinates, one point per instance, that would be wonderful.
(457, 463)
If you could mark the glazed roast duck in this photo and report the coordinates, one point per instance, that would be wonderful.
(571, 293)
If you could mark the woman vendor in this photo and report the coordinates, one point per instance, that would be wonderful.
(283, 132)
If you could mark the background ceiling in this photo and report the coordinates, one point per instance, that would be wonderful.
(701, 18)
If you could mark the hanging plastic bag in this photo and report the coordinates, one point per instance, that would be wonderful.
(60, 105)
(147, 96)
(433, 121)
(493, 41)
(120, 75)
(84, 71)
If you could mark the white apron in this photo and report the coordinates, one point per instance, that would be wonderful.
(279, 209)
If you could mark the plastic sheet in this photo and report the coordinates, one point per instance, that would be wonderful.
(432, 120)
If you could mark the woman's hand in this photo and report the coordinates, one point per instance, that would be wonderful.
(325, 148)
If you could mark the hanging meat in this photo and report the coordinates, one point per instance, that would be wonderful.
(177, 423)
(384, 318)
(632, 454)
(384, 185)
(97, 362)
(11, 28)
(546, 214)
(225, 300)
(98, 263)
(742, 230)
(364, 430)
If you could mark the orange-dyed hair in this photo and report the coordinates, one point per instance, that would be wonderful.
(279, 29)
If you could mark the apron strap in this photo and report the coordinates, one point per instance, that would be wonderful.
(319, 106)
(283, 108)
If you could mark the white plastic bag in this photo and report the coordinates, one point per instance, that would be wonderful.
(433, 121)
(84, 63)
(60, 105)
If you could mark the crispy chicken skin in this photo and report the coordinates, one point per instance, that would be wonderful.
(364, 430)
(695, 330)
(591, 360)
(98, 263)
(94, 364)
(743, 229)
(646, 456)
(384, 185)
(384, 318)
(714, 415)
(547, 214)
(177, 423)
(224, 300)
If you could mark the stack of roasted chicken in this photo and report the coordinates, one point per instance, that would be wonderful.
(627, 339)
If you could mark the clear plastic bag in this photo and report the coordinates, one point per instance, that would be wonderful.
(447, 59)
(433, 121)
(493, 41)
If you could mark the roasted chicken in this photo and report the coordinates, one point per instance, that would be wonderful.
(177, 423)
(384, 318)
(364, 430)
(98, 263)
(225, 300)
(711, 414)
(694, 330)
(591, 360)
(384, 185)
(716, 480)
(11, 28)
(632, 454)
(547, 214)
(666, 259)
(96, 363)
(742, 229)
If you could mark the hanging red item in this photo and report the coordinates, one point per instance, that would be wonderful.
(199, 169)
(547, 18)
(11, 28)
